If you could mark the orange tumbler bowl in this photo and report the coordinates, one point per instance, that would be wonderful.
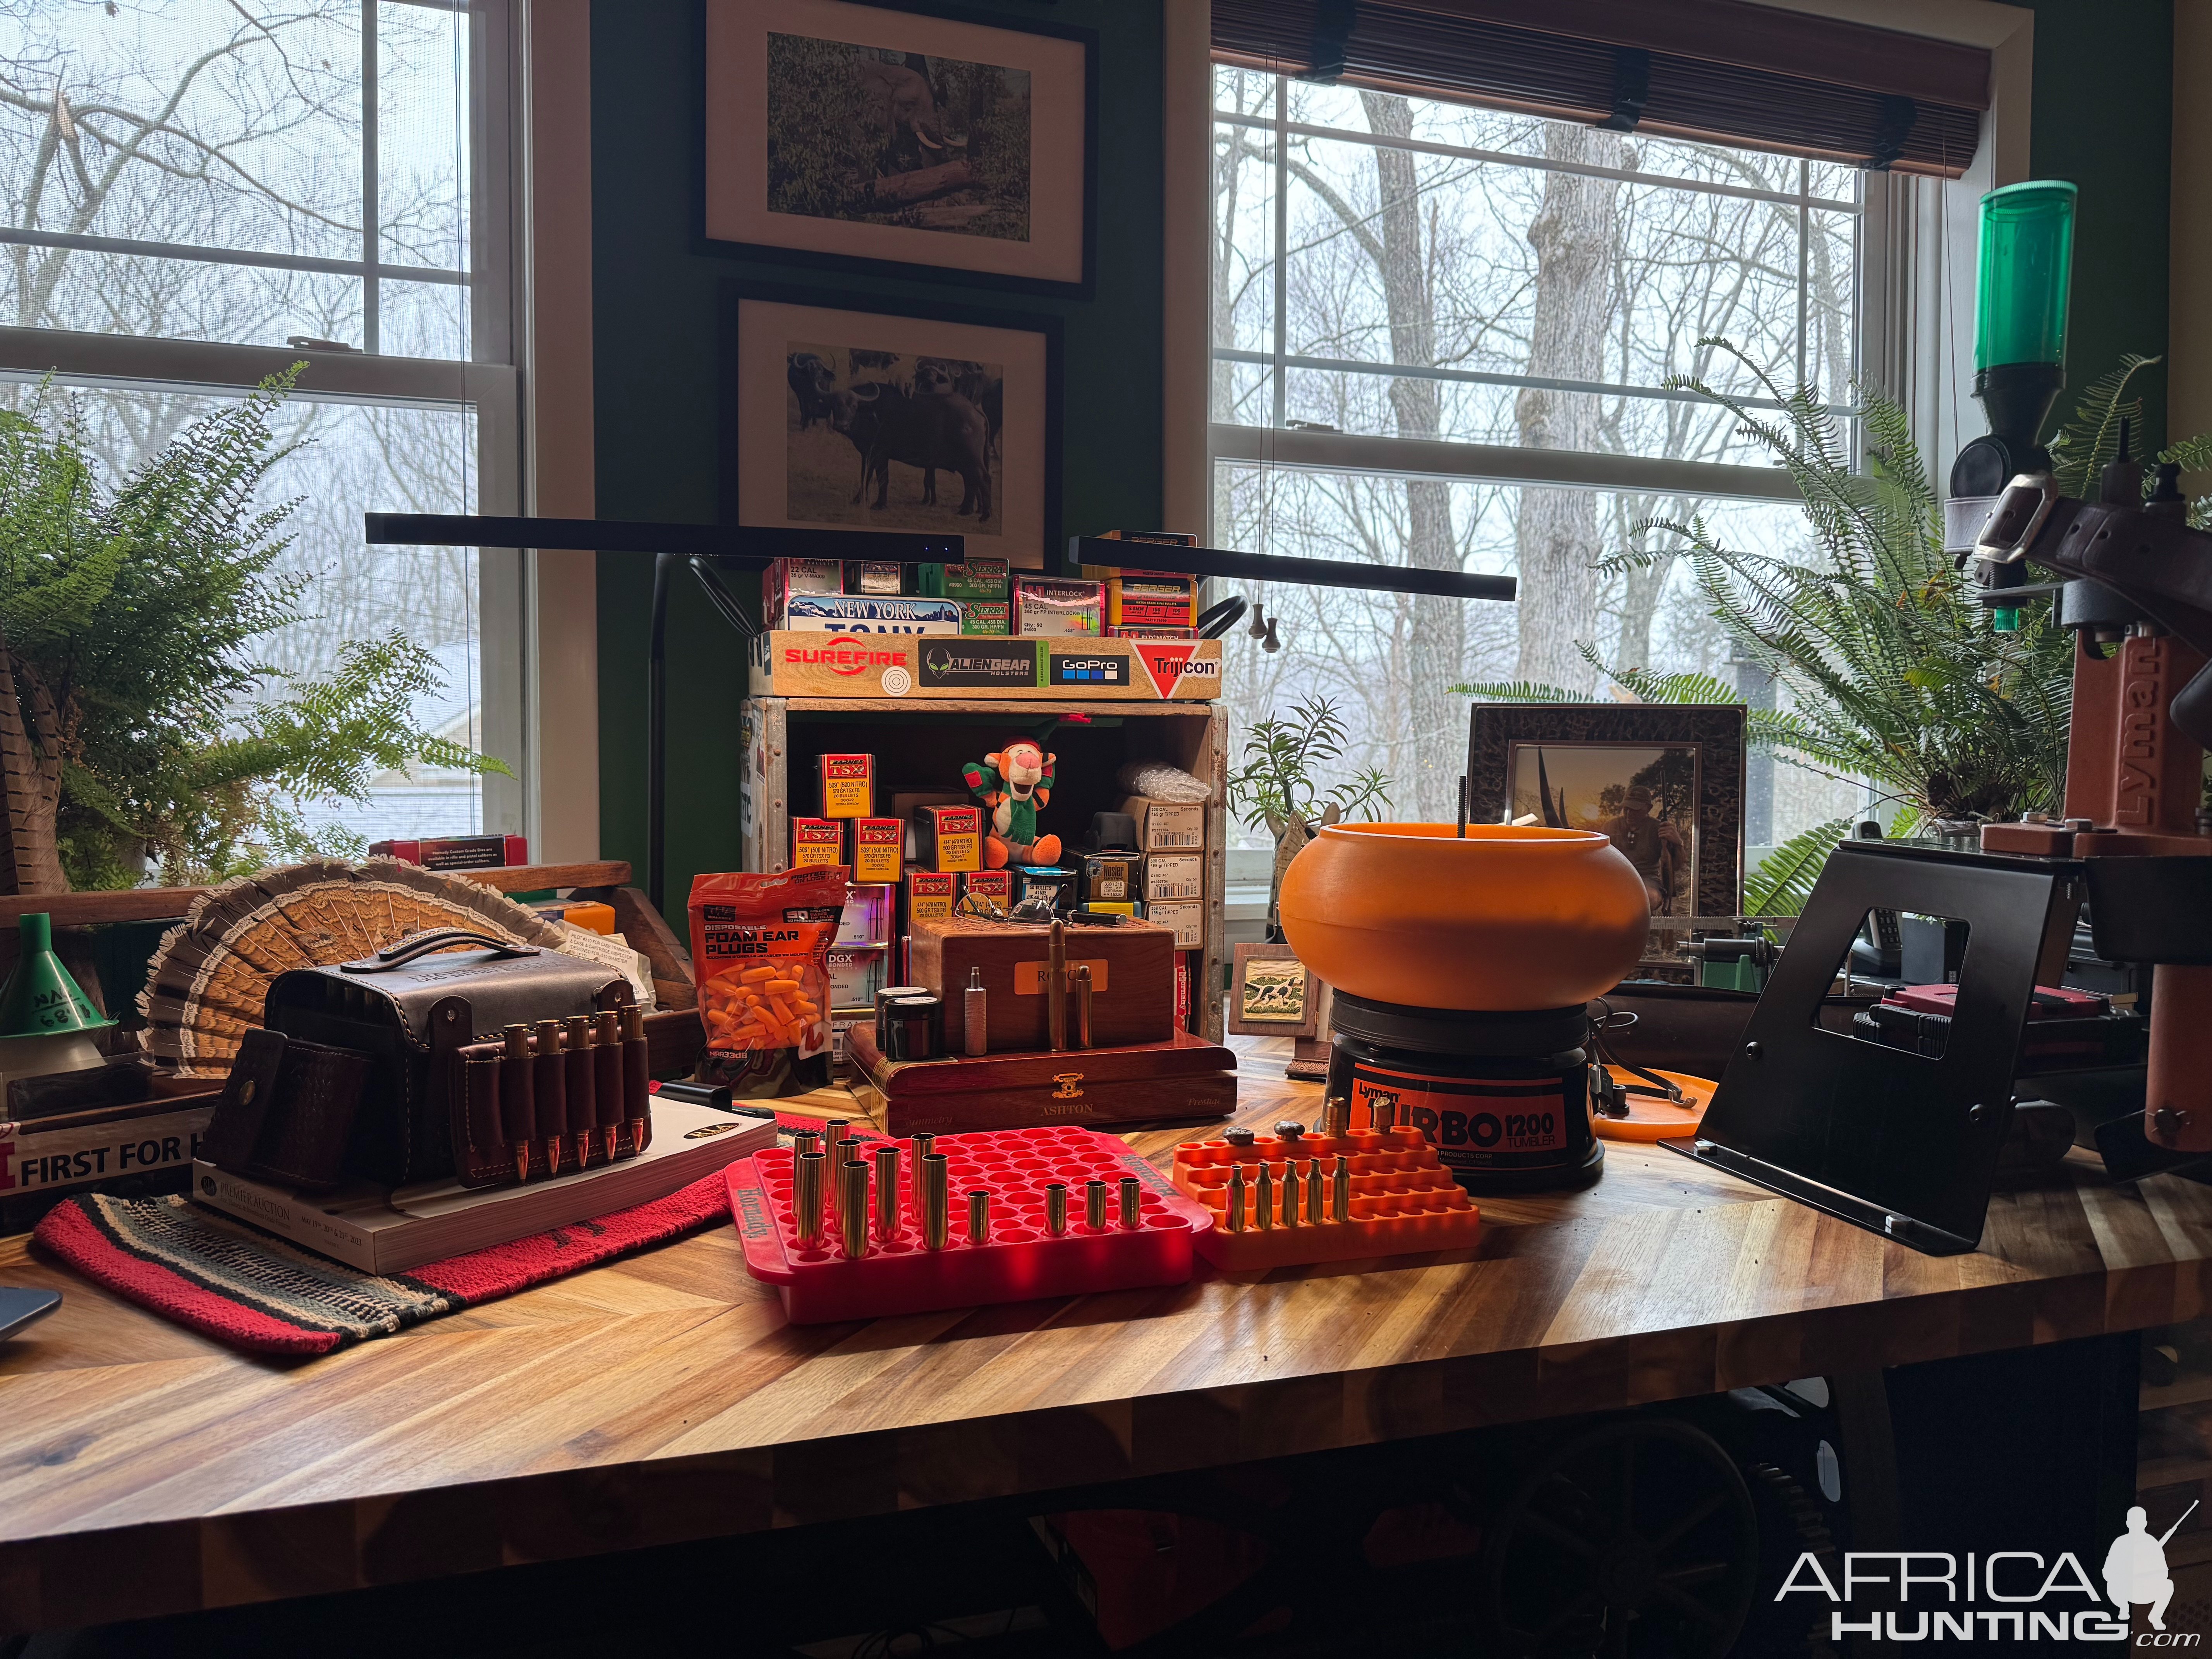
(1508, 919)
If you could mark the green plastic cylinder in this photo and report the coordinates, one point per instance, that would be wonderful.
(2026, 273)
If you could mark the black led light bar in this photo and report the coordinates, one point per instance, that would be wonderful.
(752, 544)
(1272, 568)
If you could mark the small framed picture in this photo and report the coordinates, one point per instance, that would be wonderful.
(1272, 995)
(897, 140)
(1664, 783)
(922, 418)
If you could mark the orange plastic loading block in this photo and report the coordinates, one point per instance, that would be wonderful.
(1402, 1199)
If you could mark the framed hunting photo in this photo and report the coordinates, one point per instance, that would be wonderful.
(1664, 783)
(916, 418)
(907, 142)
(1272, 995)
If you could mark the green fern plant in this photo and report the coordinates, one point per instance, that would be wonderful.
(133, 613)
(2090, 439)
(1896, 677)
(1785, 878)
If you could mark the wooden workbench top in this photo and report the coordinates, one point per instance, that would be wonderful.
(143, 1470)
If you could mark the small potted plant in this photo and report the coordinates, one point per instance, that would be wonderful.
(1278, 786)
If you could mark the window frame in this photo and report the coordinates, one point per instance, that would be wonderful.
(1917, 255)
(1283, 445)
(490, 382)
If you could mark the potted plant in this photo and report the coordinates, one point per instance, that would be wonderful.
(1278, 786)
(136, 726)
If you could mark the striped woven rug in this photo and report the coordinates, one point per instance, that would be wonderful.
(252, 1289)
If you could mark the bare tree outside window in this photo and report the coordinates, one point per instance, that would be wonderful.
(1404, 268)
(238, 173)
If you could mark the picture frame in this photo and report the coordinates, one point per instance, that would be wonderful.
(787, 467)
(1686, 762)
(983, 170)
(1259, 977)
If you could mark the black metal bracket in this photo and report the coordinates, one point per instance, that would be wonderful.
(1902, 1144)
(1333, 25)
(1632, 88)
(1893, 126)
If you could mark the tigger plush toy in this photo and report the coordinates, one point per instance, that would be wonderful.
(1012, 784)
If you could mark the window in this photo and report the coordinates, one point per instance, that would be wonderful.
(1441, 336)
(197, 193)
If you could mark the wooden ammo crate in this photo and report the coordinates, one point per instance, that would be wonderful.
(919, 747)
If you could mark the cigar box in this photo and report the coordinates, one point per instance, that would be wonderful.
(1132, 979)
(1181, 1078)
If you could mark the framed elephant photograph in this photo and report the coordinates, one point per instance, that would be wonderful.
(873, 135)
(927, 419)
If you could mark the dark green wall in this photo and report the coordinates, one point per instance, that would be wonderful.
(655, 355)
(2103, 118)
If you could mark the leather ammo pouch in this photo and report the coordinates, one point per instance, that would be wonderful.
(462, 1072)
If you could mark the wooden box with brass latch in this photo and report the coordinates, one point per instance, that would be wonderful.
(1186, 1079)
(1132, 979)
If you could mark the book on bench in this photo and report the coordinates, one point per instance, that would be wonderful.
(388, 1230)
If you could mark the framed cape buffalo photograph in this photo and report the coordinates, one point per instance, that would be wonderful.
(918, 419)
(875, 135)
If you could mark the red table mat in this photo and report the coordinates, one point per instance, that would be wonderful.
(227, 1279)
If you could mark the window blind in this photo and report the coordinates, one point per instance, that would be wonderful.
(1712, 70)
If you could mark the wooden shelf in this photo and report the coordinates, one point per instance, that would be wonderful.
(779, 737)
(1093, 708)
(160, 903)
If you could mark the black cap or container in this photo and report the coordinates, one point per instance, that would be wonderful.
(916, 1028)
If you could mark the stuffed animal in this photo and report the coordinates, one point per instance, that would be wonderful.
(1012, 784)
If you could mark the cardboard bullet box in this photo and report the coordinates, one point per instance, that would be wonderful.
(1112, 877)
(1187, 917)
(948, 839)
(996, 885)
(849, 785)
(929, 896)
(1172, 876)
(1055, 606)
(978, 579)
(1167, 826)
(816, 842)
(878, 849)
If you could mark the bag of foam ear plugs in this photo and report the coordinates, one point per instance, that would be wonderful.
(760, 950)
